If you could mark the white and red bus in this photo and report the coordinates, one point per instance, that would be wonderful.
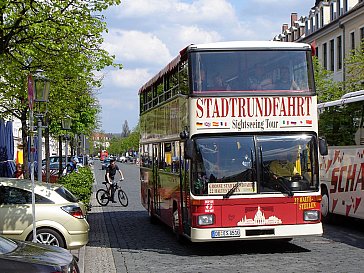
(341, 122)
(103, 154)
(229, 144)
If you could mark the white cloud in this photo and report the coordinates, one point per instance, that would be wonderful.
(177, 11)
(133, 79)
(136, 46)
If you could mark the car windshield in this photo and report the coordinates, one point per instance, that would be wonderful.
(261, 164)
(66, 194)
(7, 245)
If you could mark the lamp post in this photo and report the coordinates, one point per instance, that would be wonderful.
(66, 125)
(41, 88)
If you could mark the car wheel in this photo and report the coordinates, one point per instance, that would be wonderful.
(48, 236)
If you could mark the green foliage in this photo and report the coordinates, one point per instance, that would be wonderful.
(124, 144)
(327, 89)
(80, 184)
(355, 69)
(63, 39)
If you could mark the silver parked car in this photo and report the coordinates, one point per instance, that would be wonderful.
(60, 217)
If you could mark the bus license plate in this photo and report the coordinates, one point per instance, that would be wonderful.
(225, 233)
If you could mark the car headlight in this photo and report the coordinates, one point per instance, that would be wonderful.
(311, 215)
(206, 219)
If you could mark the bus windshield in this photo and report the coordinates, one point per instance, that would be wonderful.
(263, 164)
(250, 70)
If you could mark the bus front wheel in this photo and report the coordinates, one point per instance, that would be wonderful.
(325, 202)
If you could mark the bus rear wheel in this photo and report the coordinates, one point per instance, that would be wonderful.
(152, 218)
(176, 227)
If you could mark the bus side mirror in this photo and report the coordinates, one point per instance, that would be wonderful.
(323, 146)
(189, 149)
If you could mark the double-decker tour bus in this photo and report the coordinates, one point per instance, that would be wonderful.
(229, 145)
(341, 122)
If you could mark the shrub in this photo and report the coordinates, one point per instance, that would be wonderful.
(80, 184)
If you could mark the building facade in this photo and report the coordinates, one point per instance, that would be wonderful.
(333, 27)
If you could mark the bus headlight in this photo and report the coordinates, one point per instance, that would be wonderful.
(311, 215)
(206, 219)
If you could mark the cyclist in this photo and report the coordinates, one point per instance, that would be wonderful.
(110, 175)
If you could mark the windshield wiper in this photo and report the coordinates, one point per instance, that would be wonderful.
(232, 190)
(280, 180)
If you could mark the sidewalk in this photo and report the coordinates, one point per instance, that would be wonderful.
(96, 256)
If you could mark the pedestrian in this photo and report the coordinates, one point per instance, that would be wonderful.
(72, 166)
(19, 173)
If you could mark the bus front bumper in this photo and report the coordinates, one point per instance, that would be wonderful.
(255, 233)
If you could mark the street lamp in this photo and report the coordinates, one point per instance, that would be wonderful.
(66, 125)
(41, 94)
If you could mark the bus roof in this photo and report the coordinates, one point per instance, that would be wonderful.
(347, 98)
(249, 45)
(232, 45)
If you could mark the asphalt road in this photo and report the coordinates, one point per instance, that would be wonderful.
(124, 240)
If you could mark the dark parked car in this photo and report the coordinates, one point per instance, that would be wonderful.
(19, 256)
(54, 159)
(105, 164)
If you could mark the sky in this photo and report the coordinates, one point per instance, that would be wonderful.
(145, 35)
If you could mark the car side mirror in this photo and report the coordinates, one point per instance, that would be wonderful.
(323, 146)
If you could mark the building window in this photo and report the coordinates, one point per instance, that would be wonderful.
(332, 12)
(322, 16)
(345, 6)
(317, 21)
(361, 34)
(339, 53)
(332, 53)
(339, 9)
(324, 54)
(311, 25)
(352, 41)
(316, 52)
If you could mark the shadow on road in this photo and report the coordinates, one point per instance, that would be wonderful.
(345, 230)
(132, 231)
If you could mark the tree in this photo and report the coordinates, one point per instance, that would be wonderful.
(327, 89)
(125, 131)
(355, 69)
(63, 38)
(124, 144)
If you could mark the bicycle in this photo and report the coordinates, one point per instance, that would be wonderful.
(103, 196)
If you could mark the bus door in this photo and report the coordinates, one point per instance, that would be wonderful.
(185, 191)
(156, 178)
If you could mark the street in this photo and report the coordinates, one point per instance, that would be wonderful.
(123, 240)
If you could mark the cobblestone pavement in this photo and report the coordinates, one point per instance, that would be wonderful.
(123, 240)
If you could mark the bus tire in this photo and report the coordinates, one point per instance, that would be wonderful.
(325, 205)
(175, 224)
(152, 218)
